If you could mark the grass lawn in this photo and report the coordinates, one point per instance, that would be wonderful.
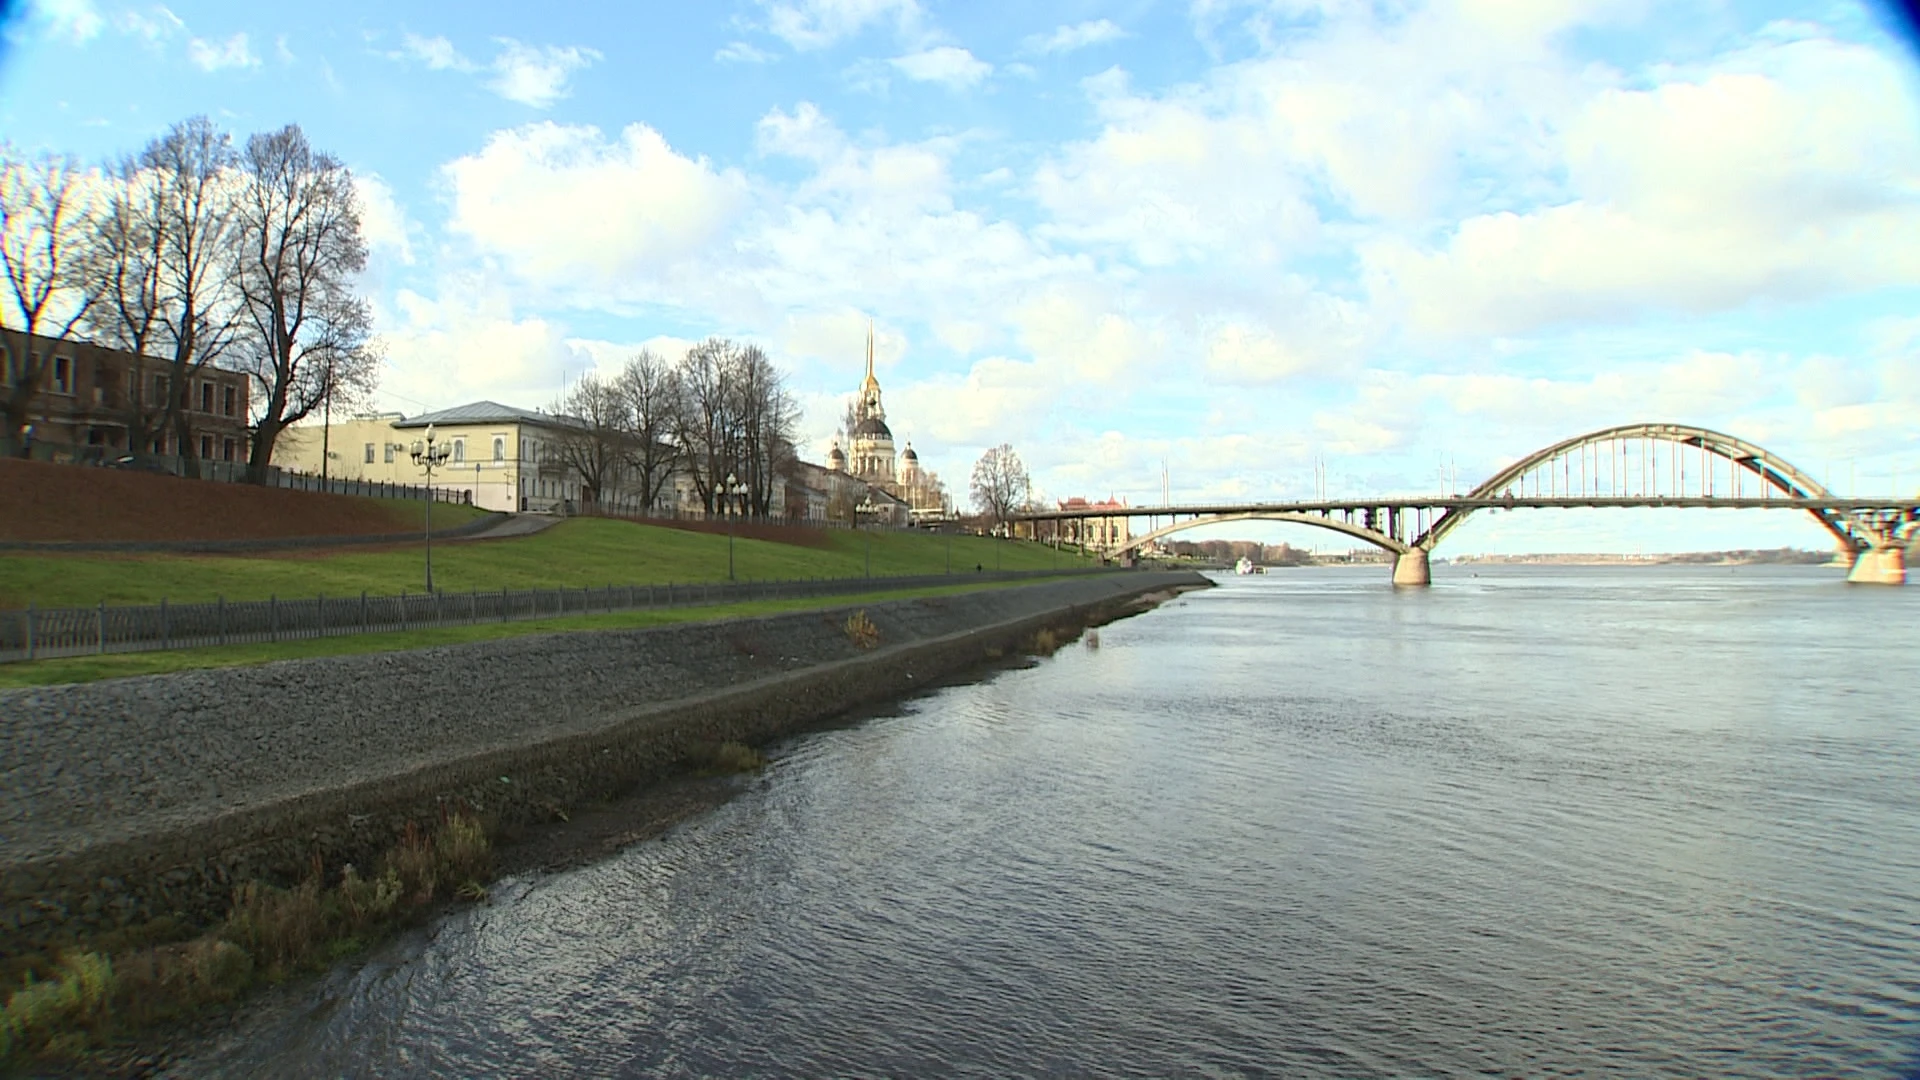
(80, 669)
(576, 553)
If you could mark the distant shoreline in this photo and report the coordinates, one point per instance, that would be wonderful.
(1775, 557)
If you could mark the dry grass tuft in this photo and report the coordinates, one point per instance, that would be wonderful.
(861, 631)
(269, 933)
(734, 757)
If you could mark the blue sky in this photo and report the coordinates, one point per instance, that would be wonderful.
(1235, 236)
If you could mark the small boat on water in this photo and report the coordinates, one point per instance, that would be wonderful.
(1244, 566)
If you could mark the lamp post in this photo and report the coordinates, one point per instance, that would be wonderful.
(735, 490)
(430, 456)
(868, 508)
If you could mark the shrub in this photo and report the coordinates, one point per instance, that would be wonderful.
(40, 1012)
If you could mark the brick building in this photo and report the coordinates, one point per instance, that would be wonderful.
(93, 396)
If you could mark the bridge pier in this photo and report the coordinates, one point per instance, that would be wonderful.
(1410, 568)
(1879, 566)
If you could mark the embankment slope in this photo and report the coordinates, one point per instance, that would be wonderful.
(134, 798)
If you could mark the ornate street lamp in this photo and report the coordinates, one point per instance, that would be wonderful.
(870, 508)
(735, 502)
(430, 456)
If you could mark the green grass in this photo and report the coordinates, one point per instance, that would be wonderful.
(577, 553)
(80, 669)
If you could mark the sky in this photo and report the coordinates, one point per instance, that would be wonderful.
(1248, 240)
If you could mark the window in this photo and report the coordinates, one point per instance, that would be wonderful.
(459, 449)
(159, 390)
(369, 453)
(226, 450)
(160, 444)
(227, 404)
(499, 449)
(206, 398)
(389, 458)
(206, 446)
(62, 375)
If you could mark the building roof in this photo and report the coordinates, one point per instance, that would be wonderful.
(487, 412)
(873, 425)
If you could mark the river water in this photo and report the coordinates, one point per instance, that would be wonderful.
(1539, 821)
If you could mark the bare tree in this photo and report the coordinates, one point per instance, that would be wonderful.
(594, 431)
(649, 389)
(46, 212)
(1000, 484)
(765, 415)
(191, 167)
(309, 334)
(125, 267)
(703, 419)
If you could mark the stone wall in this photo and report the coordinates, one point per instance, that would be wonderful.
(134, 798)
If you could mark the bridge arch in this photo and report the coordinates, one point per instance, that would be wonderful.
(1769, 467)
(1358, 532)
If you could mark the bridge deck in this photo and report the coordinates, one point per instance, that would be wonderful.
(1909, 505)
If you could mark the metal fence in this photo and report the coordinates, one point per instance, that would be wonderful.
(33, 634)
(235, 472)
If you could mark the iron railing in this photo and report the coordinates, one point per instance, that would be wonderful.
(45, 633)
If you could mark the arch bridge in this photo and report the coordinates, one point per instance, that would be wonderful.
(1634, 465)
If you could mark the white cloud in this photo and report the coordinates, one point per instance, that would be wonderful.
(154, 25)
(382, 222)
(1077, 36)
(282, 50)
(948, 65)
(741, 52)
(467, 344)
(815, 24)
(534, 75)
(436, 52)
(1788, 172)
(217, 55)
(77, 21)
(537, 75)
(564, 206)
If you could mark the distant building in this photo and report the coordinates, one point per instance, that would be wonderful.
(870, 458)
(507, 457)
(1104, 534)
(100, 401)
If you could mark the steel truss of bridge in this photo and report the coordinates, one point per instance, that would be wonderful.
(1622, 467)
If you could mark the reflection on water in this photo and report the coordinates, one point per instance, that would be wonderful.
(1541, 821)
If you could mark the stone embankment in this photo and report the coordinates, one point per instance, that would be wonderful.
(130, 799)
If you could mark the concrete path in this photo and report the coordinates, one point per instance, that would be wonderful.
(515, 525)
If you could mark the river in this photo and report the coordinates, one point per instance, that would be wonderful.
(1534, 821)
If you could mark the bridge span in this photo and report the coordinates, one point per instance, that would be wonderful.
(1660, 466)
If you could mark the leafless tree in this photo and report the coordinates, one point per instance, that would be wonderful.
(46, 212)
(649, 389)
(703, 420)
(191, 167)
(125, 267)
(594, 431)
(309, 334)
(1000, 484)
(765, 415)
(735, 418)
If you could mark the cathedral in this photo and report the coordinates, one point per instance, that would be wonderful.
(869, 455)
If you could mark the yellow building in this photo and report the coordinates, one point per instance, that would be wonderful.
(505, 457)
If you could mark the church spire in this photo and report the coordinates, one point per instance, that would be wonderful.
(870, 377)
